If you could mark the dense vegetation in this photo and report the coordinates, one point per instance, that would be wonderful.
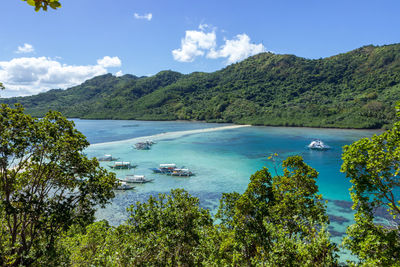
(357, 89)
(46, 184)
(49, 190)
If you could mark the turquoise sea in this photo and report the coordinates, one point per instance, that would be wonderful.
(222, 158)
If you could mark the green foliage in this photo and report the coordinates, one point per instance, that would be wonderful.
(373, 166)
(357, 89)
(165, 231)
(96, 245)
(43, 4)
(271, 224)
(169, 229)
(49, 191)
(46, 184)
(278, 220)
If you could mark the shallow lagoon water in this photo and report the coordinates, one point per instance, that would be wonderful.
(222, 159)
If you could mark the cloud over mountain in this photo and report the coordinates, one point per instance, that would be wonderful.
(107, 62)
(31, 75)
(195, 43)
(237, 49)
(202, 43)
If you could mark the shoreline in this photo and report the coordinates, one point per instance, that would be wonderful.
(166, 135)
(236, 124)
(224, 122)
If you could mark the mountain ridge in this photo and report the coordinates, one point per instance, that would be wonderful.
(357, 89)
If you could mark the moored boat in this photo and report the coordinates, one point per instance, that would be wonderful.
(145, 145)
(124, 186)
(181, 172)
(107, 157)
(118, 165)
(136, 179)
(164, 168)
(171, 169)
(142, 146)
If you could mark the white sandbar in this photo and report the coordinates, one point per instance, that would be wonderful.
(168, 135)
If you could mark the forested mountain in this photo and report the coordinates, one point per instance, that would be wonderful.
(357, 89)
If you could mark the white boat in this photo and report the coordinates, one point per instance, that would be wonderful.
(122, 165)
(124, 186)
(168, 166)
(165, 168)
(318, 145)
(136, 179)
(171, 169)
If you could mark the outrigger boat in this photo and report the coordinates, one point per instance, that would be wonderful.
(118, 165)
(146, 145)
(107, 157)
(124, 186)
(171, 169)
(142, 146)
(136, 179)
(181, 172)
(318, 145)
(164, 168)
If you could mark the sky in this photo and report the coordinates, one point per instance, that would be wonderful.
(85, 38)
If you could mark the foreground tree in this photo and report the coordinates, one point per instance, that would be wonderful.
(373, 166)
(46, 184)
(278, 220)
(168, 230)
(43, 4)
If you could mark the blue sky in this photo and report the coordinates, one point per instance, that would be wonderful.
(59, 49)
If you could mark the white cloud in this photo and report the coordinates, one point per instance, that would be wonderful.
(109, 62)
(200, 43)
(119, 73)
(194, 44)
(32, 75)
(237, 49)
(26, 48)
(147, 16)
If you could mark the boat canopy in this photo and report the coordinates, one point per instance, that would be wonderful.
(122, 163)
(168, 165)
(136, 176)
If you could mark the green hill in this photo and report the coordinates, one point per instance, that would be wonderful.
(357, 89)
